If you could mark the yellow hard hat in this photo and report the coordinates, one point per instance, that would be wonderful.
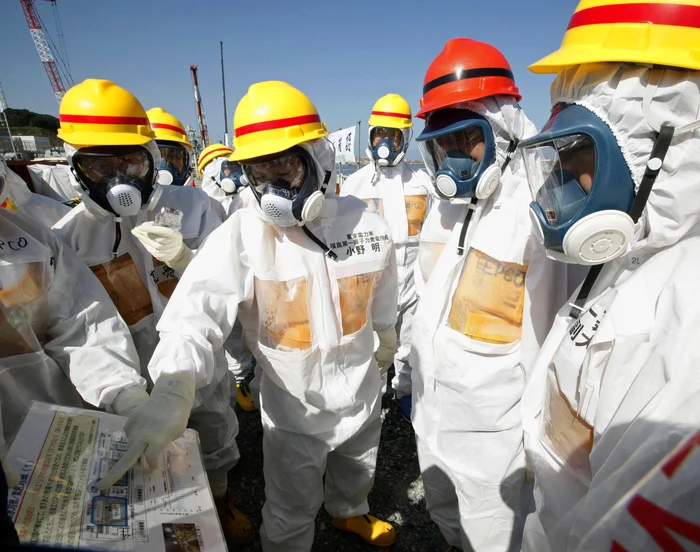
(391, 111)
(659, 32)
(97, 112)
(211, 152)
(167, 127)
(272, 117)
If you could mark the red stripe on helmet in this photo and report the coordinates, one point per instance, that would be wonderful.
(102, 120)
(169, 127)
(390, 114)
(677, 15)
(218, 149)
(277, 123)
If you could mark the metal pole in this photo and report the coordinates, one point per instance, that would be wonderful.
(3, 107)
(223, 85)
(359, 139)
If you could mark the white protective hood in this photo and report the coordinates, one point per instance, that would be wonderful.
(616, 93)
(508, 121)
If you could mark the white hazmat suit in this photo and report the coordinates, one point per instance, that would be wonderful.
(400, 195)
(480, 316)
(603, 383)
(141, 286)
(16, 196)
(310, 320)
(61, 338)
(240, 362)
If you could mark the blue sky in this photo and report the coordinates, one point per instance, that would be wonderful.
(343, 55)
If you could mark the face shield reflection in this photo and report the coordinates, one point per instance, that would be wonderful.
(174, 158)
(102, 169)
(460, 151)
(393, 135)
(560, 174)
(287, 171)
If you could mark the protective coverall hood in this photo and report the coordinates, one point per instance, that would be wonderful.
(508, 121)
(635, 101)
(323, 153)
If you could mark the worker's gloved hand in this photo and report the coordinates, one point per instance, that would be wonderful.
(386, 350)
(154, 425)
(165, 244)
(128, 400)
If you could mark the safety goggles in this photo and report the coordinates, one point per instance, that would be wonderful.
(392, 137)
(286, 171)
(99, 167)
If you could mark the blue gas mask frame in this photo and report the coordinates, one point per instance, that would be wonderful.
(232, 182)
(574, 151)
(446, 143)
(385, 153)
(169, 174)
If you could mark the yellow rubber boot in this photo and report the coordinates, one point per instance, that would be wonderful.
(235, 523)
(244, 397)
(372, 530)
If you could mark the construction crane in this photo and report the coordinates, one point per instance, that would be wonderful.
(3, 107)
(203, 132)
(46, 53)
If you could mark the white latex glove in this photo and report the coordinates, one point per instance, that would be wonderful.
(386, 350)
(11, 475)
(154, 425)
(165, 244)
(128, 400)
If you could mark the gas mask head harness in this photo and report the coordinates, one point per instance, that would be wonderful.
(387, 146)
(119, 179)
(459, 151)
(174, 168)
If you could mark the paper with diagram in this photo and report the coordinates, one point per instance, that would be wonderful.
(60, 453)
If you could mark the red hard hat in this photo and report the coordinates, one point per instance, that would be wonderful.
(466, 70)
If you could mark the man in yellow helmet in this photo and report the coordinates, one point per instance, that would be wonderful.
(400, 195)
(221, 178)
(311, 278)
(174, 146)
(611, 409)
(222, 181)
(138, 237)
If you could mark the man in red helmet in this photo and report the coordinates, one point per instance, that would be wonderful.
(487, 295)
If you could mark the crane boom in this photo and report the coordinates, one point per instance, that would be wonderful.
(203, 132)
(42, 47)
